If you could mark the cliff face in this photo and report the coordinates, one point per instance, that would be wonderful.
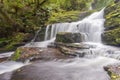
(111, 35)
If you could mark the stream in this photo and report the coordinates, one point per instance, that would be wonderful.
(89, 67)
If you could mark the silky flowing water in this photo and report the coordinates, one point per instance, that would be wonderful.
(89, 67)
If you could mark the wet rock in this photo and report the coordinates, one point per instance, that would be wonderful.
(73, 49)
(113, 71)
(73, 45)
(67, 37)
(35, 53)
(24, 53)
(3, 59)
(5, 76)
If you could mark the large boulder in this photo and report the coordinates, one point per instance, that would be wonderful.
(111, 35)
(67, 37)
(36, 53)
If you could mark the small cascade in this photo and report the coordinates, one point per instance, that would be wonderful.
(97, 49)
(36, 34)
(91, 28)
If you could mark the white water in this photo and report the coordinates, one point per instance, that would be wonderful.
(9, 66)
(91, 28)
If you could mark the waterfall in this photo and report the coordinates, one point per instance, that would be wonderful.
(91, 28)
(89, 67)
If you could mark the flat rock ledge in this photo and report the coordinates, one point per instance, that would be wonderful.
(35, 53)
(113, 71)
(73, 49)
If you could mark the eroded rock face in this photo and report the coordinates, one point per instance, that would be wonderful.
(111, 35)
(67, 37)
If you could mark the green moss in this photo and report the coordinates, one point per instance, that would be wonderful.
(16, 55)
(16, 39)
(112, 37)
(113, 75)
(64, 16)
(112, 24)
(61, 37)
(68, 16)
(112, 15)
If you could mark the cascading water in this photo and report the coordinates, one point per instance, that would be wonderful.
(91, 28)
(90, 67)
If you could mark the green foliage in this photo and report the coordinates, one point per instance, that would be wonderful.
(18, 18)
(69, 4)
(15, 39)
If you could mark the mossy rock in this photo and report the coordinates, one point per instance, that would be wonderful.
(67, 37)
(25, 53)
(111, 35)
(113, 71)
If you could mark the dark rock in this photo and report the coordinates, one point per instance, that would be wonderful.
(3, 59)
(67, 37)
(39, 36)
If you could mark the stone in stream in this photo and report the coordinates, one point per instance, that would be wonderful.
(34, 53)
(113, 71)
(68, 37)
